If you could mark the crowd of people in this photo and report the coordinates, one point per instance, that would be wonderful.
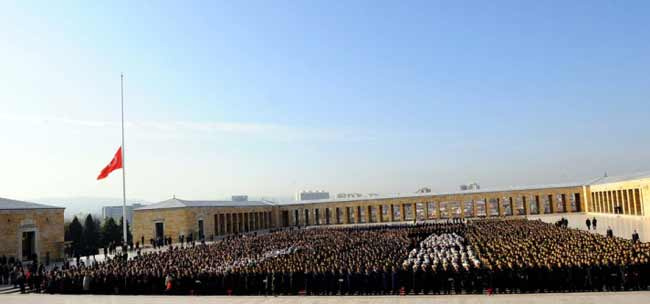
(13, 272)
(532, 256)
(480, 256)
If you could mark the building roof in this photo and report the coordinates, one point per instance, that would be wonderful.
(180, 203)
(620, 178)
(414, 195)
(9, 204)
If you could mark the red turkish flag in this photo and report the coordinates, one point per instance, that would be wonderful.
(115, 164)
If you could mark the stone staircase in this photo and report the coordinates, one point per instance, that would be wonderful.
(9, 289)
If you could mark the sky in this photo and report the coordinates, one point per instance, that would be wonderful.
(269, 97)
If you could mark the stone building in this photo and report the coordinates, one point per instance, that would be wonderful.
(176, 217)
(626, 195)
(171, 218)
(29, 230)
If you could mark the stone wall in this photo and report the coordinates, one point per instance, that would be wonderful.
(47, 224)
(174, 221)
(183, 221)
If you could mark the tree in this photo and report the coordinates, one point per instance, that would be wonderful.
(75, 232)
(129, 236)
(111, 232)
(91, 235)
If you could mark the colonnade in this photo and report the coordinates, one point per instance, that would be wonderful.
(396, 210)
(240, 222)
(624, 201)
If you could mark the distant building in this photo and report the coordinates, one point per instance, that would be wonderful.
(312, 195)
(239, 198)
(349, 195)
(424, 190)
(115, 212)
(472, 186)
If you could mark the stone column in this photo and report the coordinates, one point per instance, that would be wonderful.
(474, 208)
(565, 201)
(601, 202)
(369, 213)
(231, 221)
(425, 209)
(512, 206)
(526, 207)
(437, 205)
(227, 223)
(391, 213)
(551, 203)
(630, 201)
(634, 199)
(500, 206)
(402, 216)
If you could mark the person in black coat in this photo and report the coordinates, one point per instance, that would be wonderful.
(395, 283)
(385, 281)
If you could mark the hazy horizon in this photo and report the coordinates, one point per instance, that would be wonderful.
(268, 98)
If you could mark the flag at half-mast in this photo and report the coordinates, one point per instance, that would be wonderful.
(116, 163)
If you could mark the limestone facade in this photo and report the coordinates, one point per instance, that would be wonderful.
(186, 221)
(605, 195)
(621, 197)
(48, 228)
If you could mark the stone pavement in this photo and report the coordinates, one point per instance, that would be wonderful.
(622, 225)
(632, 297)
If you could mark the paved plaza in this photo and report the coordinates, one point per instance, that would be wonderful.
(622, 225)
(582, 298)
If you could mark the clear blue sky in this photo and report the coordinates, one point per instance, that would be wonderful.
(267, 97)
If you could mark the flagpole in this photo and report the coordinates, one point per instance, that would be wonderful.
(124, 221)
